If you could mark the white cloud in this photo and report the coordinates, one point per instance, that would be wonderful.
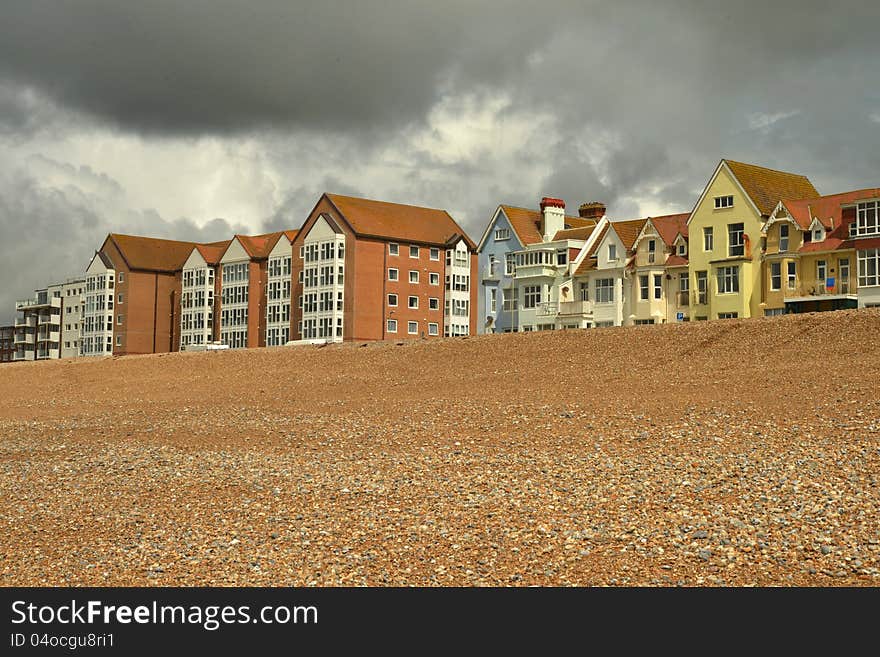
(874, 116)
(762, 121)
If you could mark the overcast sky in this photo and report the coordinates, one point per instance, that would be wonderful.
(197, 119)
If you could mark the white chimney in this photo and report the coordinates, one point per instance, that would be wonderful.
(552, 217)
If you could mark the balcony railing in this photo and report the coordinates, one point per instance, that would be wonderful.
(23, 338)
(492, 273)
(30, 321)
(23, 355)
(701, 298)
(52, 302)
(683, 298)
(547, 309)
(818, 288)
(575, 308)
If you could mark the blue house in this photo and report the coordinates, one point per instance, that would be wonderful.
(510, 230)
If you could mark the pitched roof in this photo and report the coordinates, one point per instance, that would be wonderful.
(628, 230)
(589, 261)
(150, 253)
(408, 223)
(827, 209)
(675, 260)
(670, 225)
(766, 187)
(527, 223)
(581, 233)
(291, 234)
(213, 252)
(259, 246)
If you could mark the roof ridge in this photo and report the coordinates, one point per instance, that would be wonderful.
(758, 166)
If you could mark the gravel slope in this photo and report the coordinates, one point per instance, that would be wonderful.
(740, 452)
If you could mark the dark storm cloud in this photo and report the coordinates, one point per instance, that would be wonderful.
(208, 66)
(49, 233)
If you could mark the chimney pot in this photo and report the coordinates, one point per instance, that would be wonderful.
(592, 210)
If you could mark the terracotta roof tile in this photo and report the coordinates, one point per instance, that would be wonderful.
(213, 252)
(766, 187)
(574, 233)
(527, 223)
(259, 246)
(394, 221)
(628, 230)
(670, 225)
(825, 208)
(152, 254)
(675, 260)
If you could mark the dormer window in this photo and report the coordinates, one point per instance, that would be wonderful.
(682, 249)
(723, 202)
(868, 218)
(818, 234)
(561, 257)
(612, 252)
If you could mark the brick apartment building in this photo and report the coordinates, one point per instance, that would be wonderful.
(244, 281)
(371, 270)
(132, 298)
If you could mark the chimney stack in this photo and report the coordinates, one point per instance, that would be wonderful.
(552, 217)
(592, 210)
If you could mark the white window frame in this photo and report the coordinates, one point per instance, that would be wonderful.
(411, 248)
(723, 202)
(412, 302)
(612, 252)
(708, 238)
(412, 327)
(433, 303)
(392, 305)
(433, 328)
(783, 246)
(531, 296)
(777, 275)
(791, 275)
(727, 279)
(502, 234)
(393, 274)
(413, 276)
(644, 287)
(391, 326)
(433, 278)
(393, 248)
(434, 253)
(604, 288)
(736, 241)
(869, 267)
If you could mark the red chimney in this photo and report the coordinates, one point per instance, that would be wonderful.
(549, 201)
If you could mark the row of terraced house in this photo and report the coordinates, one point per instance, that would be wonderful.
(758, 242)
(765, 243)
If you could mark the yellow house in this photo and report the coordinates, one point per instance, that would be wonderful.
(724, 237)
(811, 253)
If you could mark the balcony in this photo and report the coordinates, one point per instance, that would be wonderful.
(48, 336)
(701, 298)
(547, 309)
(25, 304)
(818, 288)
(532, 271)
(23, 355)
(492, 273)
(49, 319)
(683, 298)
(28, 321)
(23, 338)
(572, 308)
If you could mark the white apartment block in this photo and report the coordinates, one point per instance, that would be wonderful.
(72, 302)
(456, 318)
(38, 331)
(196, 301)
(278, 293)
(322, 278)
(97, 315)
